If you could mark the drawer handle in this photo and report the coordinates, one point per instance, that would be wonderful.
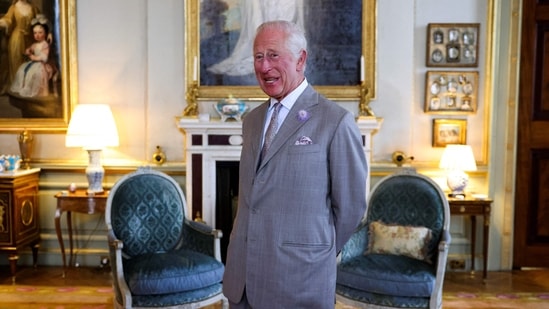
(462, 209)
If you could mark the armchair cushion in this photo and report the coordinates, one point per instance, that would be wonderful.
(395, 275)
(171, 272)
(411, 241)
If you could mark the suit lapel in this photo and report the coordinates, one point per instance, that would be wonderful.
(306, 101)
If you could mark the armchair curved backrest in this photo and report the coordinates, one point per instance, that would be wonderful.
(397, 257)
(159, 257)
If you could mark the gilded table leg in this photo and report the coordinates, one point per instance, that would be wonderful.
(473, 241)
(485, 245)
(69, 227)
(58, 213)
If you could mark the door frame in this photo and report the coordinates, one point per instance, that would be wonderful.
(503, 131)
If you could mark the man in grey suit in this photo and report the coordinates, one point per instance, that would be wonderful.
(302, 197)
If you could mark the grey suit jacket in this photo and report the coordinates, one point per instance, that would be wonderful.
(297, 208)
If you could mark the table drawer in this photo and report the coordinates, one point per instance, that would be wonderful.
(466, 209)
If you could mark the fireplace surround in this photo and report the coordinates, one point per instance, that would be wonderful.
(209, 142)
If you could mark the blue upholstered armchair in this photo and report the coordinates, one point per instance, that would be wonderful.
(159, 257)
(397, 257)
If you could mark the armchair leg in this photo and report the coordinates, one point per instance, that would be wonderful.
(224, 303)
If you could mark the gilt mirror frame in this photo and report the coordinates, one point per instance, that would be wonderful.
(349, 92)
(63, 24)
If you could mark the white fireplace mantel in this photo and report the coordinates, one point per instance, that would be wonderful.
(208, 142)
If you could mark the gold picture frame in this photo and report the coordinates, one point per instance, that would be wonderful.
(449, 131)
(451, 92)
(48, 114)
(452, 45)
(195, 44)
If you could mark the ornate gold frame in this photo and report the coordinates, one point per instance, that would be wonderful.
(461, 80)
(69, 84)
(457, 127)
(444, 45)
(195, 92)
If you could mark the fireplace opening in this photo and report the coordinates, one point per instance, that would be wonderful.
(226, 200)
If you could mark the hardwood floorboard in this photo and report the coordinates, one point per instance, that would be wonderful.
(516, 281)
(535, 280)
(526, 281)
(53, 276)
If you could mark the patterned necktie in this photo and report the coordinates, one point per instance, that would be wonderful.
(271, 130)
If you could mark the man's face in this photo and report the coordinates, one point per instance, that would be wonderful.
(277, 70)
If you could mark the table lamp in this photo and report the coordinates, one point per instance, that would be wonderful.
(457, 159)
(92, 127)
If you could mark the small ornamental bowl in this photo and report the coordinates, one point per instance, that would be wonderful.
(10, 163)
(230, 108)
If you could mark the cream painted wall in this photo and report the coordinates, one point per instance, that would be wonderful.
(130, 55)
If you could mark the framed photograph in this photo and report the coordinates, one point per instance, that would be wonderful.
(449, 131)
(451, 92)
(38, 74)
(452, 45)
(219, 38)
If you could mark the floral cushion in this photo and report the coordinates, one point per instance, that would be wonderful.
(411, 241)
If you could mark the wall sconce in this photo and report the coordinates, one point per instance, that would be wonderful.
(92, 127)
(457, 159)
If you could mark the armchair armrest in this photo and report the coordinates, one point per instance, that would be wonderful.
(445, 241)
(202, 238)
(122, 291)
(443, 245)
(356, 245)
(204, 228)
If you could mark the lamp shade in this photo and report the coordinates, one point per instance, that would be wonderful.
(92, 126)
(458, 157)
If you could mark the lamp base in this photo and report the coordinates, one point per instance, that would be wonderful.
(457, 182)
(457, 195)
(95, 172)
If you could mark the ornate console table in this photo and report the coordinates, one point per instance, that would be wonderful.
(19, 222)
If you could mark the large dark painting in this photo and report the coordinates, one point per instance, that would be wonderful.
(339, 32)
(333, 33)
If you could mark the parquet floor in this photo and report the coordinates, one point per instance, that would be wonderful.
(526, 281)
(516, 281)
(53, 276)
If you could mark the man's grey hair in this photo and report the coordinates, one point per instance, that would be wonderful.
(296, 41)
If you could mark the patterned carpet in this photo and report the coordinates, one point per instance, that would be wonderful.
(88, 297)
(43, 297)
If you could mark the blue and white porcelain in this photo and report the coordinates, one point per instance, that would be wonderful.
(231, 108)
(9, 163)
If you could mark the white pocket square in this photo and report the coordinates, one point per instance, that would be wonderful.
(304, 140)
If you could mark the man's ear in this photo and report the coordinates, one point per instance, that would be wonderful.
(302, 60)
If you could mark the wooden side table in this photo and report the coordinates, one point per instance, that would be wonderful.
(473, 208)
(19, 221)
(79, 201)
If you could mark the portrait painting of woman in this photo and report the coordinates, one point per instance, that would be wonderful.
(227, 28)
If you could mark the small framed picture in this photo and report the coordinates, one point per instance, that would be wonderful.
(452, 45)
(449, 131)
(451, 92)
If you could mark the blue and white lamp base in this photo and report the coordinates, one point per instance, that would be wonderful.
(95, 172)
